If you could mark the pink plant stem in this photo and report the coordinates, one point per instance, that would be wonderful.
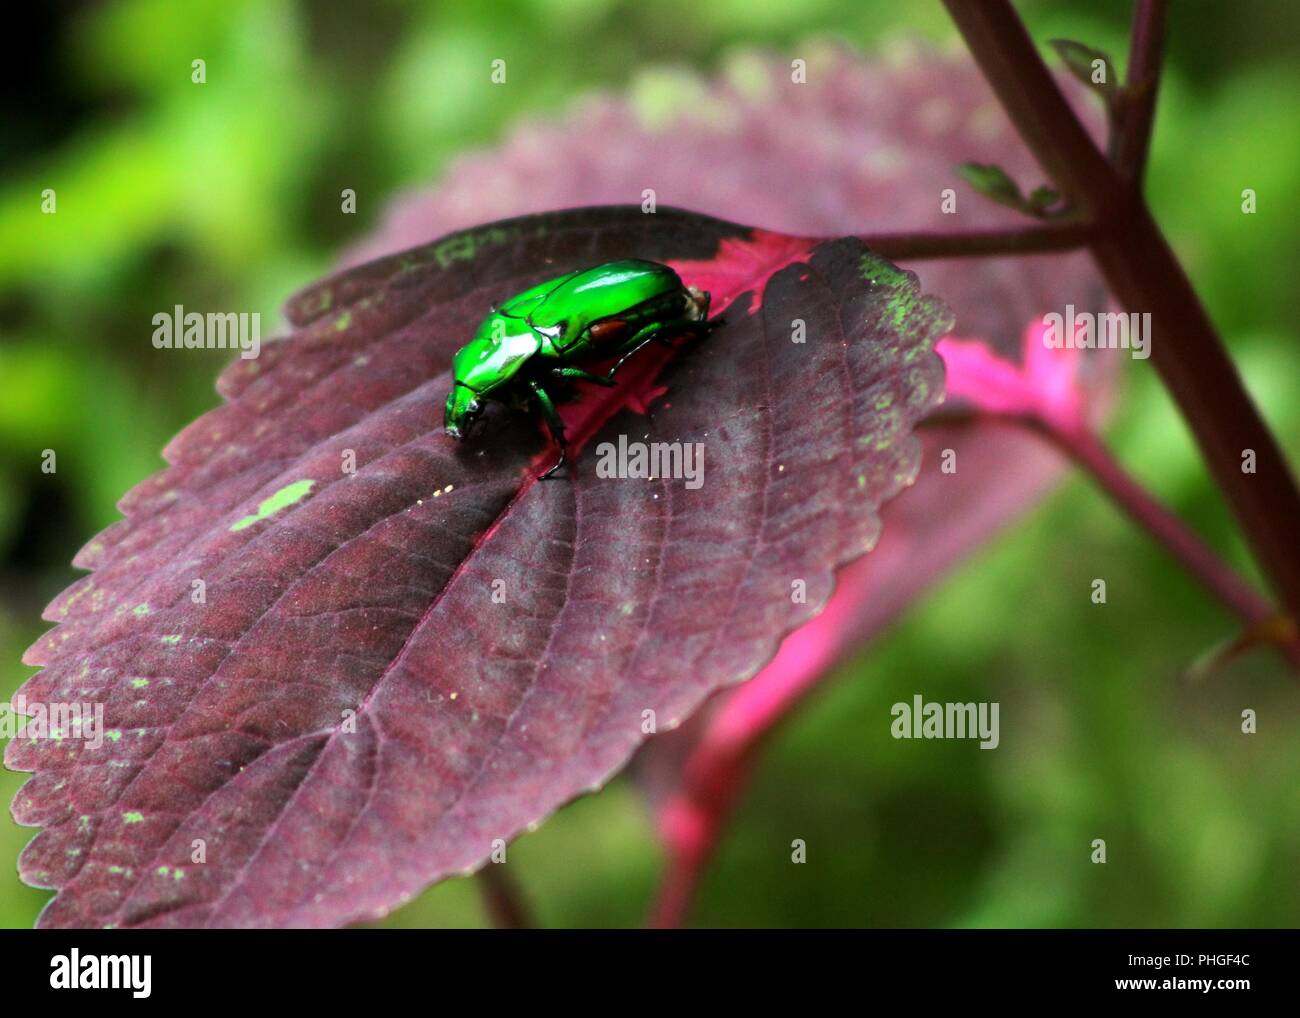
(713, 779)
(1145, 276)
(687, 863)
(1220, 579)
(717, 771)
(1088, 451)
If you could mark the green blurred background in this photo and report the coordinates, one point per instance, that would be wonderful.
(229, 198)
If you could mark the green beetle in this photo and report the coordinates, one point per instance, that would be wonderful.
(544, 336)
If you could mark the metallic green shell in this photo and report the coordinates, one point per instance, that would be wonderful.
(580, 298)
(550, 318)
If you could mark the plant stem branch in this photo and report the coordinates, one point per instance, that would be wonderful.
(1037, 239)
(717, 770)
(1088, 451)
(1146, 49)
(1220, 579)
(1007, 56)
(1144, 275)
(713, 778)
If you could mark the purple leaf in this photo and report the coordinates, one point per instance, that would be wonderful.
(863, 146)
(350, 715)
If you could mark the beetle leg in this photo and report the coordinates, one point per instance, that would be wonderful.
(553, 423)
(577, 374)
(556, 466)
(646, 335)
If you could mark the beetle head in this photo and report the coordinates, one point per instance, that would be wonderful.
(463, 409)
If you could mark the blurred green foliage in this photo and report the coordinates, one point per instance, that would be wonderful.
(227, 196)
